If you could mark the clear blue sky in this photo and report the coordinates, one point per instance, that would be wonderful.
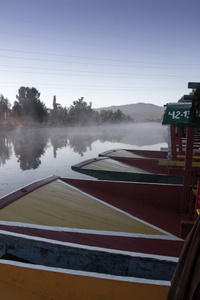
(111, 52)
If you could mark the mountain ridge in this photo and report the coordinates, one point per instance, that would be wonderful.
(140, 112)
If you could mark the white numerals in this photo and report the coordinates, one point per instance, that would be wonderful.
(178, 114)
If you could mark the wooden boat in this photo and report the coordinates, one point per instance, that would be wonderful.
(146, 160)
(105, 237)
(106, 168)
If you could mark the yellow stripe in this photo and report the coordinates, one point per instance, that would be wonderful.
(194, 157)
(32, 284)
(177, 163)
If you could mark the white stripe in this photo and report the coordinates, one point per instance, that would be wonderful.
(90, 231)
(89, 248)
(86, 274)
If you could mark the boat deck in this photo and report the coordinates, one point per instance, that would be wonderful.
(111, 165)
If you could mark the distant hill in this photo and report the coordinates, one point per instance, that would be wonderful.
(140, 112)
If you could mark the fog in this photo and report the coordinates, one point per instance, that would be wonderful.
(33, 153)
(30, 144)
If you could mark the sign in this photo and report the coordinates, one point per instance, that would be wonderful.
(177, 114)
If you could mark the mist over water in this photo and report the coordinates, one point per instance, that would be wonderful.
(27, 155)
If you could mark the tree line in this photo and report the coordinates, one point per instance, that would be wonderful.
(29, 110)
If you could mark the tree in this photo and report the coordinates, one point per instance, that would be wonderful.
(4, 108)
(105, 116)
(80, 113)
(28, 106)
(58, 114)
(108, 116)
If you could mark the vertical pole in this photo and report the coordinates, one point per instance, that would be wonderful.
(173, 141)
(187, 170)
(197, 204)
(180, 145)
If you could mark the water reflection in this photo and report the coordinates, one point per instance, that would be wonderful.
(29, 145)
(5, 148)
(58, 139)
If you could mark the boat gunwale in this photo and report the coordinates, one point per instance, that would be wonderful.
(89, 161)
(19, 193)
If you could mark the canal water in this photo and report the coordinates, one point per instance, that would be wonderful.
(27, 155)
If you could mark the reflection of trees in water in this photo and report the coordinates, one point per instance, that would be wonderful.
(29, 146)
(80, 143)
(81, 140)
(58, 139)
(5, 148)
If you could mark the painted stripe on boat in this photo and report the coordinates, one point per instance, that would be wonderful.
(90, 231)
(92, 248)
(86, 274)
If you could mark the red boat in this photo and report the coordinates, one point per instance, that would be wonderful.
(111, 235)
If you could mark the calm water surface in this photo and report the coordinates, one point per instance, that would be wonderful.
(27, 155)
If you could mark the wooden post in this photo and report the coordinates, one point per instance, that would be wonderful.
(180, 145)
(173, 141)
(187, 170)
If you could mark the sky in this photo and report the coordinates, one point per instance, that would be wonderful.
(111, 52)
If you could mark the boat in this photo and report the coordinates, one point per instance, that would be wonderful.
(147, 160)
(60, 233)
(105, 168)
